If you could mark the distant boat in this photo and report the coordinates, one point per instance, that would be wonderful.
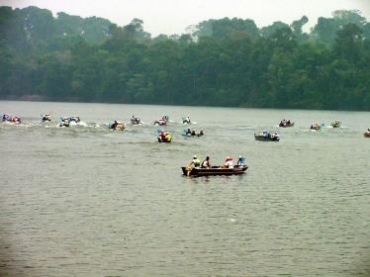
(46, 117)
(10, 119)
(117, 125)
(213, 171)
(286, 123)
(135, 120)
(70, 121)
(164, 137)
(335, 124)
(186, 120)
(192, 133)
(315, 127)
(267, 136)
(162, 121)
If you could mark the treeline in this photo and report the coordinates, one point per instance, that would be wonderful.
(226, 62)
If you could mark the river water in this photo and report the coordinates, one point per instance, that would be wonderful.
(88, 201)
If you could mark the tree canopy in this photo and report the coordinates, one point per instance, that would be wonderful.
(224, 62)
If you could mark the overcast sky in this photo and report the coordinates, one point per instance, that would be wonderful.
(174, 16)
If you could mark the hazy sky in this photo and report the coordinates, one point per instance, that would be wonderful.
(174, 16)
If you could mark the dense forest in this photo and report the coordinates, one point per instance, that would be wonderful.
(223, 62)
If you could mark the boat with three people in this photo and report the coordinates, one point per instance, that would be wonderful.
(192, 133)
(267, 136)
(286, 123)
(11, 119)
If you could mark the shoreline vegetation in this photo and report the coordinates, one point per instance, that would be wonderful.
(224, 62)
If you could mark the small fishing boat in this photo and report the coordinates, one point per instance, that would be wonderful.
(11, 119)
(213, 171)
(335, 124)
(71, 121)
(117, 126)
(46, 118)
(162, 121)
(267, 136)
(135, 120)
(315, 127)
(286, 123)
(186, 120)
(192, 133)
(164, 137)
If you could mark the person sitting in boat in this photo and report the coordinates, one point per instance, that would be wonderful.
(206, 163)
(241, 161)
(16, 119)
(162, 121)
(6, 117)
(186, 120)
(201, 133)
(135, 120)
(195, 162)
(165, 118)
(163, 134)
(193, 133)
(114, 125)
(188, 132)
(46, 117)
(75, 119)
(64, 122)
(168, 137)
(274, 136)
(228, 162)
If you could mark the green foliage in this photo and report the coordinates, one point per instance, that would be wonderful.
(226, 62)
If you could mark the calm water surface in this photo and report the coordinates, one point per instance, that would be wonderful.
(87, 201)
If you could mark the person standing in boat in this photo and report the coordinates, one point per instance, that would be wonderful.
(195, 162)
(206, 163)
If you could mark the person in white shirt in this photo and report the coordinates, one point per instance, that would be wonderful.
(229, 162)
(206, 163)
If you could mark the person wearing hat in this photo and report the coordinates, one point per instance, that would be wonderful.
(206, 163)
(229, 162)
(195, 162)
(241, 161)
